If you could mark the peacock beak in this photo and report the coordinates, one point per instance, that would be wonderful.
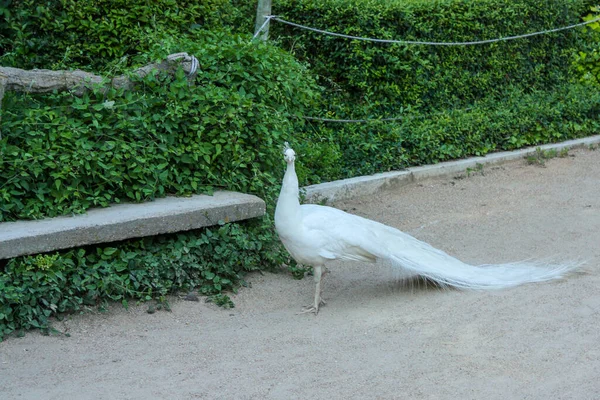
(289, 156)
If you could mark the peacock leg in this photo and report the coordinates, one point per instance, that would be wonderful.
(318, 275)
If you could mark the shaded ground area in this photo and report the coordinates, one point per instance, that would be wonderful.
(377, 337)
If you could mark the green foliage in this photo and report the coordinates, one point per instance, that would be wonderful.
(299, 271)
(63, 154)
(97, 34)
(587, 61)
(365, 79)
(540, 156)
(454, 101)
(222, 300)
(519, 119)
(35, 288)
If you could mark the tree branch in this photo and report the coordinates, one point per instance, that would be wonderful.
(78, 82)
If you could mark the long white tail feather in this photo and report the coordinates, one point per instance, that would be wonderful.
(408, 253)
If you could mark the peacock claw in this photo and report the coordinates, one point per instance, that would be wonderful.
(309, 310)
(312, 309)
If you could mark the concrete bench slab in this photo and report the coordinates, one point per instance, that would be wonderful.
(126, 221)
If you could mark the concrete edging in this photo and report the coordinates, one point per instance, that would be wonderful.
(126, 221)
(369, 185)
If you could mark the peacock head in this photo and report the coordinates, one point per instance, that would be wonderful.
(289, 155)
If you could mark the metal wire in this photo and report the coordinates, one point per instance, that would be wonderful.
(415, 42)
(352, 120)
(194, 67)
(267, 19)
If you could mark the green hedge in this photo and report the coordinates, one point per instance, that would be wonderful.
(519, 119)
(587, 61)
(454, 101)
(365, 79)
(63, 154)
(100, 35)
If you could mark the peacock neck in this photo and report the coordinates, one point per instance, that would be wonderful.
(287, 212)
(289, 187)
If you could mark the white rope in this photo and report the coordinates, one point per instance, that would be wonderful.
(352, 120)
(194, 61)
(373, 119)
(275, 18)
(194, 67)
(267, 19)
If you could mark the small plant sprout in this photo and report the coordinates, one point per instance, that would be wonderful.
(540, 156)
(476, 170)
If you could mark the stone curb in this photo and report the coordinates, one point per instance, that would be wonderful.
(370, 185)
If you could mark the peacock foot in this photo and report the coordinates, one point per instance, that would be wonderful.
(312, 308)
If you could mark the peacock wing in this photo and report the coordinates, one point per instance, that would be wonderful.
(338, 234)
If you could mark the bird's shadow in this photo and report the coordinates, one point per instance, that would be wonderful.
(380, 285)
(409, 286)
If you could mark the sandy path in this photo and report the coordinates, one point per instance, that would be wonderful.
(376, 338)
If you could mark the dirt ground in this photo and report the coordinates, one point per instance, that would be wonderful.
(378, 337)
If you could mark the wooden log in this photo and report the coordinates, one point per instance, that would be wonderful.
(78, 82)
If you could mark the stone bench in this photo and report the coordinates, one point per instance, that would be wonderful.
(126, 221)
